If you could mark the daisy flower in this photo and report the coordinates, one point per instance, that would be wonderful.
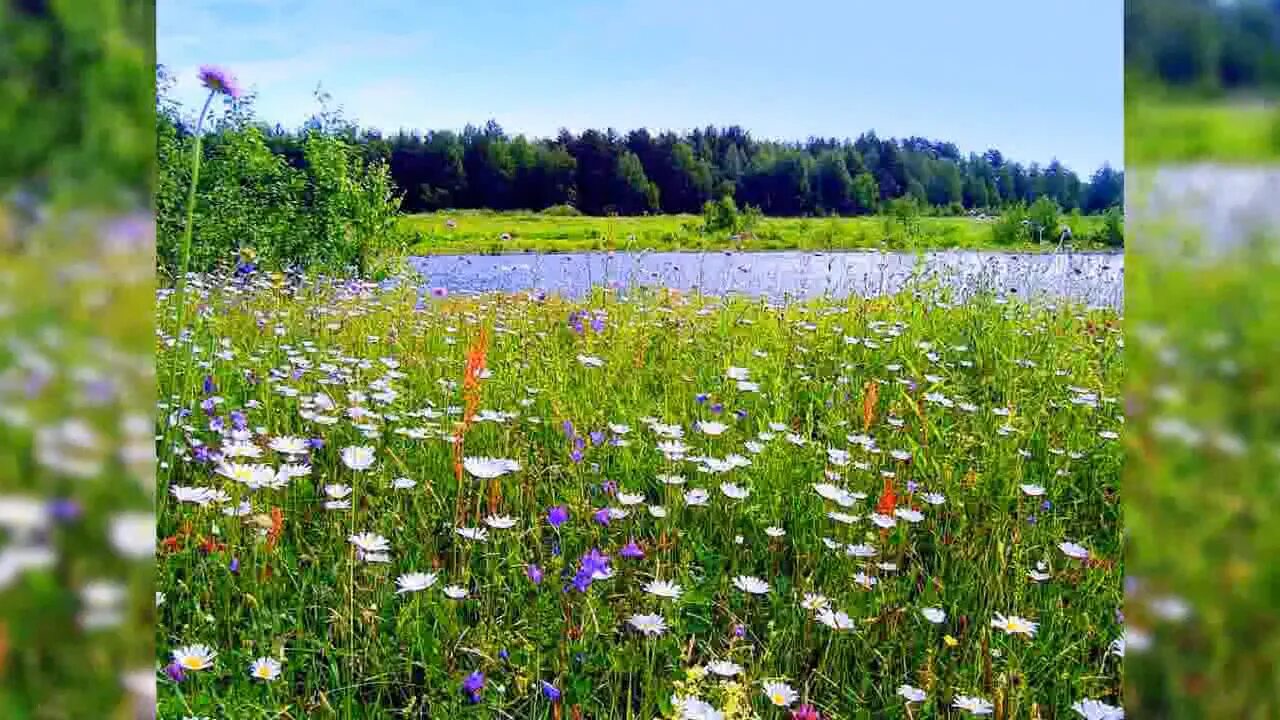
(814, 601)
(500, 522)
(780, 693)
(477, 534)
(935, 615)
(194, 657)
(264, 668)
(648, 624)
(487, 468)
(1014, 625)
(1090, 709)
(414, 582)
(751, 585)
(973, 705)
(1072, 550)
(733, 491)
(835, 619)
(664, 589)
(358, 457)
(723, 668)
(455, 592)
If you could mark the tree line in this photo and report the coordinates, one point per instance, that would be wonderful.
(603, 172)
(1203, 46)
(600, 172)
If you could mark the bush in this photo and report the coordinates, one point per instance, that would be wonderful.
(721, 215)
(562, 211)
(331, 210)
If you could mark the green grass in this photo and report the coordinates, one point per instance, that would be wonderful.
(351, 647)
(1182, 131)
(1200, 489)
(76, 402)
(480, 232)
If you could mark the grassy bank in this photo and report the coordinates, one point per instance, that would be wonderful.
(844, 496)
(478, 232)
(1182, 131)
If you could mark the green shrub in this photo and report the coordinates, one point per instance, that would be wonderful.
(562, 210)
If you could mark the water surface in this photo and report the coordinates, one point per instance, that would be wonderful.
(1091, 278)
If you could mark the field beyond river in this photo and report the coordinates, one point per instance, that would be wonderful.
(484, 232)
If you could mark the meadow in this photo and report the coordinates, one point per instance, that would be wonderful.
(483, 232)
(374, 504)
(1183, 131)
(1202, 456)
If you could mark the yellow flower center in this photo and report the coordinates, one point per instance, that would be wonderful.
(264, 671)
(778, 699)
(192, 663)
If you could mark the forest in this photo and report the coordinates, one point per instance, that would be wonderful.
(1207, 47)
(602, 172)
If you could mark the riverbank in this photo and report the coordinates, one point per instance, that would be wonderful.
(490, 233)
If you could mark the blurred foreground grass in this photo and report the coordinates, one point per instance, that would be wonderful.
(1183, 131)
(1203, 630)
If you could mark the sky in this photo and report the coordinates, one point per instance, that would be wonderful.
(1034, 79)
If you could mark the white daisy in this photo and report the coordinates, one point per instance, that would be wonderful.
(751, 585)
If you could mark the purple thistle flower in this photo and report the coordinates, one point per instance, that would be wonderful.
(551, 692)
(175, 673)
(558, 515)
(601, 516)
(219, 80)
(535, 574)
(631, 550)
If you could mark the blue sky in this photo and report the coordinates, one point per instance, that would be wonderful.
(1036, 79)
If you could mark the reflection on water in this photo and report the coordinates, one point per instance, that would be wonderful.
(1092, 278)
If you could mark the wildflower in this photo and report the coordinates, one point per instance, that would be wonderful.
(455, 592)
(358, 458)
(1014, 625)
(194, 657)
(648, 624)
(631, 550)
(814, 601)
(473, 685)
(696, 496)
(1032, 490)
(265, 668)
(974, 705)
(780, 694)
(805, 712)
(368, 542)
(551, 692)
(950, 641)
(1097, 710)
(733, 491)
(487, 468)
(534, 573)
(476, 534)
(664, 589)
(175, 672)
(723, 668)
(414, 582)
(835, 619)
(1072, 550)
(751, 585)
(601, 516)
(500, 522)
(219, 80)
(712, 428)
(911, 694)
(558, 515)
